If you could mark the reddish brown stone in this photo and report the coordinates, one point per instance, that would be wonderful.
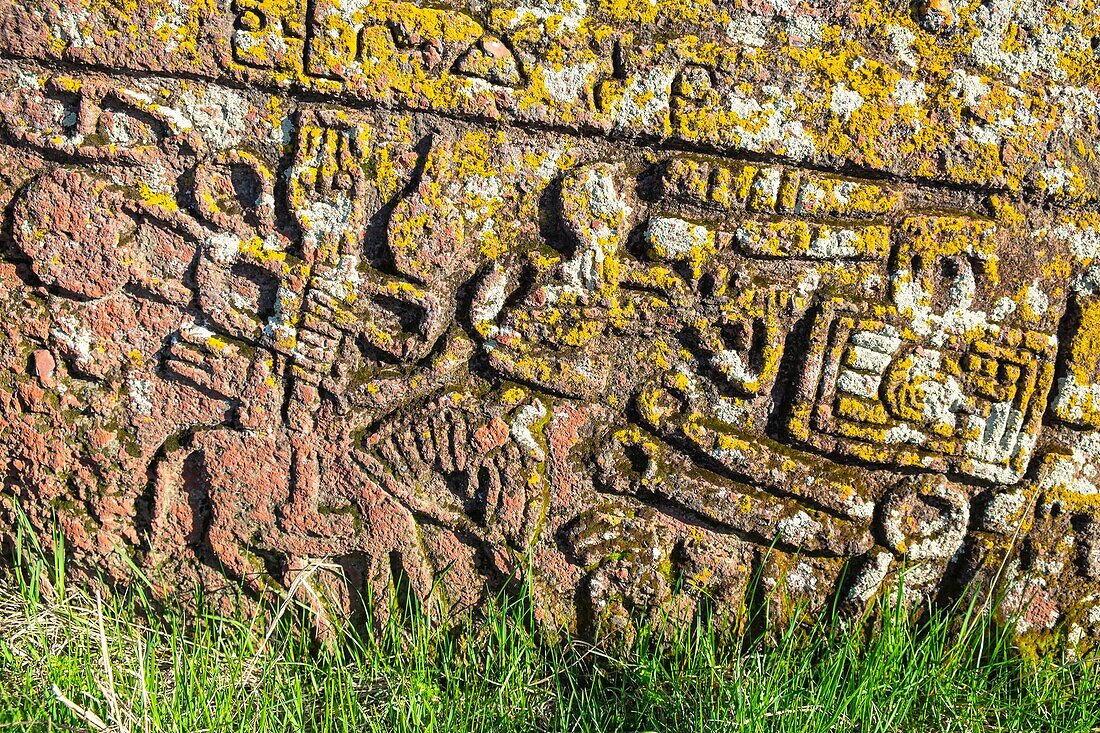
(43, 366)
(633, 310)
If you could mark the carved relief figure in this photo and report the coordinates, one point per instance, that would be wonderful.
(435, 357)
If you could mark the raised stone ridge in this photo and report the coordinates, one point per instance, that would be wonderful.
(664, 307)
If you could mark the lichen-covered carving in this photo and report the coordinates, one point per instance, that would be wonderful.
(671, 309)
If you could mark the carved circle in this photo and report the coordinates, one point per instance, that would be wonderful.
(251, 21)
(924, 518)
(72, 227)
(234, 192)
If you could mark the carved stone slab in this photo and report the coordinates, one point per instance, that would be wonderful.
(665, 307)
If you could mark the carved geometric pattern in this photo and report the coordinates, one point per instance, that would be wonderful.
(968, 407)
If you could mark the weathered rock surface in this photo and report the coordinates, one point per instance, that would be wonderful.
(641, 300)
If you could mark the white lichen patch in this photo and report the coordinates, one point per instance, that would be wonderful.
(1057, 180)
(71, 334)
(804, 30)
(749, 29)
(770, 124)
(1076, 472)
(833, 243)
(523, 419)
(223, 247)
(675, 239)
(570, 82)
(141, 394)
(1083, 238)
(73, 28)
(1016, 38)
(969, 88)
(802, 578)
(341, 281)
(195, 331)
(1074, 400)
(326, 217)
(1002, 309)
(645, 101)
(798, 529)
(491, 298)
(908, 93)
(870, 577)
(1036, 299)
(563, 16)
(901, 44)
(843, 102)
(219, 113)
(808, 283)
(904, 434)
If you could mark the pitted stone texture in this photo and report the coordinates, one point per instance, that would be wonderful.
(672, 309)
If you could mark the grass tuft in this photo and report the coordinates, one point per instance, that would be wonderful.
(73, 660)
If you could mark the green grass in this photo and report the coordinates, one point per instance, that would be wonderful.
(123, 666)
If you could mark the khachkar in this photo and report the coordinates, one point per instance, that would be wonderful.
(652, 298)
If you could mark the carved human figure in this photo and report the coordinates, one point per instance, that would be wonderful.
(363, 478)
